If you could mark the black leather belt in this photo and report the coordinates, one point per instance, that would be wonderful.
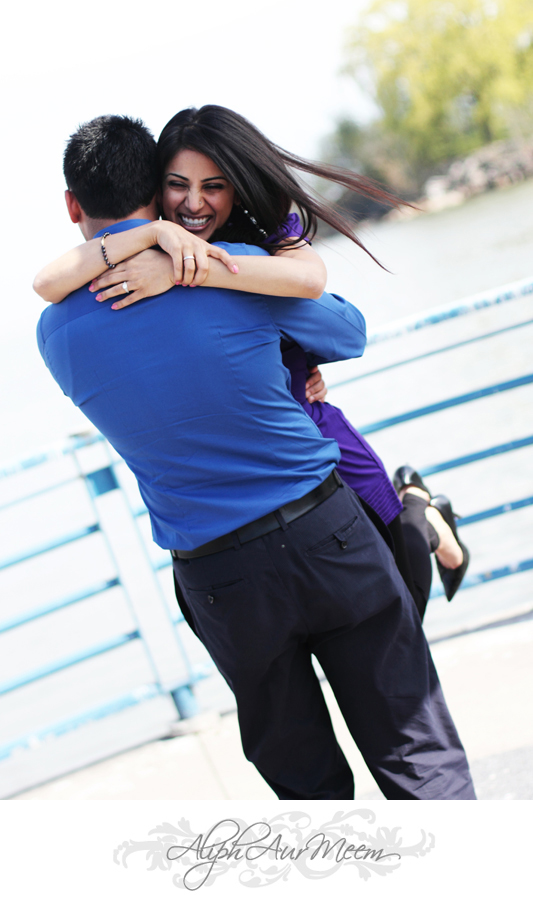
(268, 523)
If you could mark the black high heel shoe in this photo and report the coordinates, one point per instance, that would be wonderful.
(451, 578)
(406, 476)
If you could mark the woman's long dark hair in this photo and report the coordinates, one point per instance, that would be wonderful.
(260, 173)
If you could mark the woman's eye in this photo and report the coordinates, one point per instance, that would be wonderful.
(177, 185)
(214, 187)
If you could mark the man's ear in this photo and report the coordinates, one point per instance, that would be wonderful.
(74, 209)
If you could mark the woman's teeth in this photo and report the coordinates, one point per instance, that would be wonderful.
(195, 223)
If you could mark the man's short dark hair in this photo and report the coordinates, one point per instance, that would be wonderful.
(110, 166)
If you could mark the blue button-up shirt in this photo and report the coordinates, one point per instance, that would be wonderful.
(190, 389)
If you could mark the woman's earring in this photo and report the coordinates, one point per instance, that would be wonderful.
(254, 222)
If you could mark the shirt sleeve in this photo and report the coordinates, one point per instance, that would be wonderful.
(328, 329)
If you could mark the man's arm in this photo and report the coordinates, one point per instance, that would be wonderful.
(327, 329)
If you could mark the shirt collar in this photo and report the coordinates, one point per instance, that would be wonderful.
(126, 225)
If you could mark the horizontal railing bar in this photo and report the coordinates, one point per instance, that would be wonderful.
(447, 404)
(474, 580)
(56, 451)
(139, 695)
(67, 662)
(146, 692)
(437, 314)
(50, 545)
(476, 457)
(162, 565)
(420, 356)
(58, 604)
(526, 616)
(495, 511)
(39, 493)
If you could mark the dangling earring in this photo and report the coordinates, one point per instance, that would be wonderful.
(254, 222)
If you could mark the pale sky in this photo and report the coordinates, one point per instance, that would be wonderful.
(64, 62)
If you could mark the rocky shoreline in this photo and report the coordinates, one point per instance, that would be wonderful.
(494, 166)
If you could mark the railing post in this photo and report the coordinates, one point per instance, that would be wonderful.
(141, 586)
(185, 702)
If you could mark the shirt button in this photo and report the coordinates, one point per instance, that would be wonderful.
(344, 544)
(211, 598)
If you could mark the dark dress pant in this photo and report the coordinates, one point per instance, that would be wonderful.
(327, 585)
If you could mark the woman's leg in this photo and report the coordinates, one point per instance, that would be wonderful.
(410, 547)
(420, 540)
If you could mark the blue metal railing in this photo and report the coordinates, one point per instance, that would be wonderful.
(495, 511)
(54, 452)
(429, 353)
(103, 711)
(476, 457)
(67, 662)
(484, 300)
(447, 404)
(56, 605)
(49, 545)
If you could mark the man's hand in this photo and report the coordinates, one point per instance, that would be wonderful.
(315, 389)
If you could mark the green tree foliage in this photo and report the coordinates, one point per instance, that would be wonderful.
(447, 76)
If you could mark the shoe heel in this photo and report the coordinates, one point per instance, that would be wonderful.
(451, 578)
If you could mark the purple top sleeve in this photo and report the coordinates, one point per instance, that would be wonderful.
(291, 227)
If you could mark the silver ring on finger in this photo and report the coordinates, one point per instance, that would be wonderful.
(125, 287)
(188, 257)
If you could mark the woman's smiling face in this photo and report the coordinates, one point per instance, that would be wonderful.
(195, 194)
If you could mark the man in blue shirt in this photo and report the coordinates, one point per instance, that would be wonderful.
(274, 554)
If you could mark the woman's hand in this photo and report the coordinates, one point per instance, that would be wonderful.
(190, 254)
(315, 389)
(147, 274)
(185, 261)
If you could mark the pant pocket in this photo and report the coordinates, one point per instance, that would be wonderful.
(223, 594)
(338, 538)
